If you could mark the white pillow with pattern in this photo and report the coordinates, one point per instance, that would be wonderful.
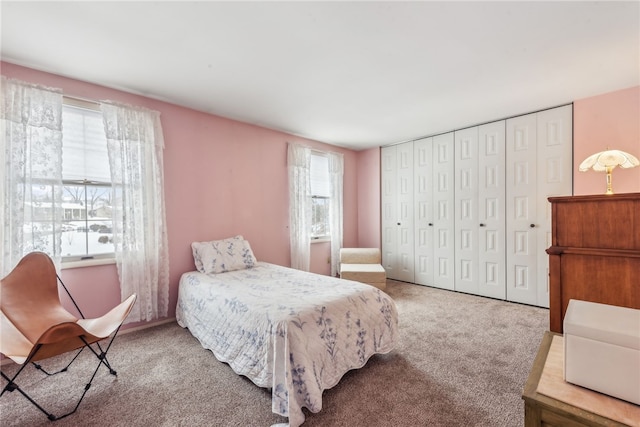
(219, 256)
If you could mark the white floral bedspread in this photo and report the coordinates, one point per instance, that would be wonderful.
(294, 332)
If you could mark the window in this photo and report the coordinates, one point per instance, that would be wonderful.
(320, 196)
(58, 152)
(86, 230)
(86, 199)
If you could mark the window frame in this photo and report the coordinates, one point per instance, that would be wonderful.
(88, 259)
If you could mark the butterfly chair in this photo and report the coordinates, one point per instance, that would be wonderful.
(36, 326)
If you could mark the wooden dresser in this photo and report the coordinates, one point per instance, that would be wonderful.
(595, 252)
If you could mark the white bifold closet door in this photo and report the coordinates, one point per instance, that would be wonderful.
(443, 205)
(424, 211)
(479, 208)
(491, 214)
(466, 210)
(434, 207)
(539, 166)
(388, 201)
(397, 212)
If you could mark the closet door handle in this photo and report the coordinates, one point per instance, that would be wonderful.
(532, 225)
(430, 224)
(483, 225)
(398, 223)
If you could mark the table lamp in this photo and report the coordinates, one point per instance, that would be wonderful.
(606, 161)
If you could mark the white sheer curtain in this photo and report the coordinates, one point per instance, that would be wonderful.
(298, 163)
(135, 143)
(336, 172)
(30, 172)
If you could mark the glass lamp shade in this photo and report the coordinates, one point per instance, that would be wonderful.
(606, 161)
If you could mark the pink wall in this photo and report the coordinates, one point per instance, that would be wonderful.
(222, 178)
(321, 258)
(369, 220)
(609, 120)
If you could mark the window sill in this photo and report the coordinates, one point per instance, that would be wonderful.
(87, 263)
(321, 240)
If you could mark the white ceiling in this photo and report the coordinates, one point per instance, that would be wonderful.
(353, 74)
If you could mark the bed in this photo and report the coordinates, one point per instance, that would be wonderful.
(293, 332)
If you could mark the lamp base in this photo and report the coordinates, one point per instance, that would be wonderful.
(609, 180)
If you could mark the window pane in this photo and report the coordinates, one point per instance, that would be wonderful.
(319, 174)
(38, 227)
(87, 227)
(84, 154)
(320, 217)
(321, 193)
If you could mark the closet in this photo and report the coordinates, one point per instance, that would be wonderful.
(467, 210)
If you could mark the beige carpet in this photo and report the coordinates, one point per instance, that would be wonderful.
(462, 361)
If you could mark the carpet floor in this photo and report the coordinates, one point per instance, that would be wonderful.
(461, 360)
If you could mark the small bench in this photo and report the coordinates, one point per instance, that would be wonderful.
(363, 265)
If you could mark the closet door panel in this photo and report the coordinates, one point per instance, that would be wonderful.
(423, 204)
(491, 210)
(466, 210)
(554, 178)
(443, 205)
(539, 162)
(405, 247)
(389, 211)
(522, 201)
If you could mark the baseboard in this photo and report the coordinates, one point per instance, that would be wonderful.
(147, 325)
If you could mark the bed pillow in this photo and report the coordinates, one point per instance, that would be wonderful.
(219, 256)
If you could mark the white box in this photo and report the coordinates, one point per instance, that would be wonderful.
(602, 349)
